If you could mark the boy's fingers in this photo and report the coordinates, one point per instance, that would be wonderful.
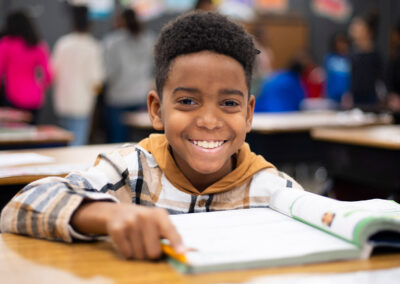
(151, 240)
(168, 231)
(136, 242)
(121, 243)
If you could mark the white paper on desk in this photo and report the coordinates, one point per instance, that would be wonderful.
(240, 236)
(42, 170)
(14, 159)
(387, 276)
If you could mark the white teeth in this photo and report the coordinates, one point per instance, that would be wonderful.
(207, 144)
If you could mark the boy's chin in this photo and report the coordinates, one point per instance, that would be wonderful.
(208, 170)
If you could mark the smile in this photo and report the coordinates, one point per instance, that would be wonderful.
(208, 144)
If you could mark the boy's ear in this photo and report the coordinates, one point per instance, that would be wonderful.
(250, 112)
(154, 109)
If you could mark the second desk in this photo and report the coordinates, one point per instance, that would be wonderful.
(63, 160)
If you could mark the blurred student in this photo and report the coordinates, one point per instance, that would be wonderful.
(283, 91)
(128, 57)
(24, 64)
(393, 76)
(79, 74)
(313, 77)
(264, 60)
(337, 68)
(366, 64)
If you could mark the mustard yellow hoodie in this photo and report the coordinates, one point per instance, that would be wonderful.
(248, 163)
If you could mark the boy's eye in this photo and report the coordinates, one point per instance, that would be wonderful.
(230, 103)
(186, 101)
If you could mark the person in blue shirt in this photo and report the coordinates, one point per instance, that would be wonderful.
(282, 91)
(337, 67)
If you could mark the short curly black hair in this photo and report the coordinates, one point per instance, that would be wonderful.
(196, 31)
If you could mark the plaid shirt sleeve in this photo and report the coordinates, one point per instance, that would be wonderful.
(43, 209)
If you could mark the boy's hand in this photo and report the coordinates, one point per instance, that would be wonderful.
(134, 230)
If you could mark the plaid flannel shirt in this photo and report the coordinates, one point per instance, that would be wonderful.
(130, 174)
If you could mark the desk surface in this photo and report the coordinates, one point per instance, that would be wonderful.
(138, 119)
(42, 134)
(382, 136)
(79, 155)
(305, 121)
(28, 260)
(288, 122)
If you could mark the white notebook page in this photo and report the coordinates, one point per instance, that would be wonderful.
(249, 235)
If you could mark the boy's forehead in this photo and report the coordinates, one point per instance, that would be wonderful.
(206, 67)
(202, 58)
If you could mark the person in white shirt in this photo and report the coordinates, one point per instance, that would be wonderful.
(128, 57)
(79, 73)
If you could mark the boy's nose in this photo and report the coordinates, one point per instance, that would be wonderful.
(209, 119)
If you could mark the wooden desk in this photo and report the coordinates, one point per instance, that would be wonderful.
(78, 156)
(363, 162)
(28, 260)
(38, 136)
(138, 119)
(140, 124)
(285, 137)
(384, 136)
(305, 121)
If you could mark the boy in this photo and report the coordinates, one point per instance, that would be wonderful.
(201, 163)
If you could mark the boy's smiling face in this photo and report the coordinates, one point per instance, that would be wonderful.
(205, 113)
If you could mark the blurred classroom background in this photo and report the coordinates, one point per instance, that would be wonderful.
(324, 65)
(283, 29)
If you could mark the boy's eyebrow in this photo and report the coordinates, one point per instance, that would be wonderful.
(185, 89)
(231, 92)
(195, 90)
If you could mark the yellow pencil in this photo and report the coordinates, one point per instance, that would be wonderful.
(168, 250)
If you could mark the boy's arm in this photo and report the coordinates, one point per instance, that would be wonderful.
(291, 181)
(79, 206)
(43, 208)
(295, 184)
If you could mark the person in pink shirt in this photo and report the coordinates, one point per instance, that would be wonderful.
(24, 64)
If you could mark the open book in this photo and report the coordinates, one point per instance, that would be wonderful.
(298, 227)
